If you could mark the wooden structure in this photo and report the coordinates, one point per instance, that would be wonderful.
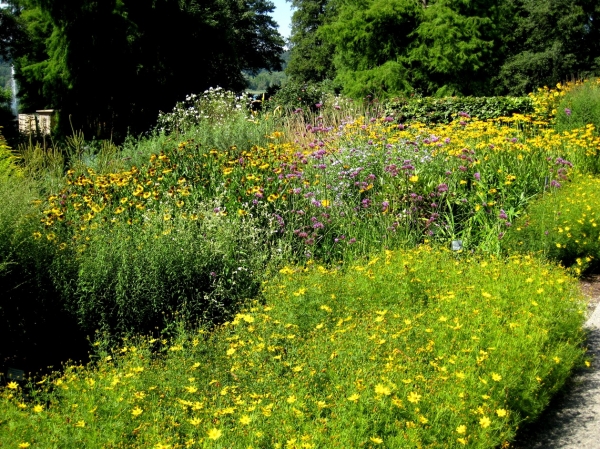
(42, 121)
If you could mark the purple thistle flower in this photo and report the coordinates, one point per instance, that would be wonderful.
(442, 188)
(568, 112)
(384, 206)
(503, 215)
(477, 176)
(318, 105)
(554, 183)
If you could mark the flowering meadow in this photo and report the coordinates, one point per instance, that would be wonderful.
(284, 279)
(416, 348)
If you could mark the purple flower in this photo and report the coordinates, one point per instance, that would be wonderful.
(352, 240)
(384, 206)
(554, 183)
(318, 105)
(503, 215)
(477, 176)
(567, 111)
(442, 188)
(400, 127)
(389, 119)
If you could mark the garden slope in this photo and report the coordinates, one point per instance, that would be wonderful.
(420, 348)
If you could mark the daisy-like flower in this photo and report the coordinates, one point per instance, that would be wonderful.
(214, 434)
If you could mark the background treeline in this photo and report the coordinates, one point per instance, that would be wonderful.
(111, 66)
(444, 47)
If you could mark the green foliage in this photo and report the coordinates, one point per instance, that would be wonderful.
(547, 42)
(265, 80)
(311, 53)
(134, 279)
(112, 66)
(580, 107)
(563, 225)
(400, 349)
(444, 110)
(295, 95)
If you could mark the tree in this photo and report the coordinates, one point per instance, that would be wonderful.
(549, 41)
(110, 66)
(311, 54)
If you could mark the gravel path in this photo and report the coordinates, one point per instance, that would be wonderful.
(572, 421)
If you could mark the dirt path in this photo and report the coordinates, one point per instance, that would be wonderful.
(572, 421)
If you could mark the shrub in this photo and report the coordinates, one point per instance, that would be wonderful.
(128, 278)
(563, 225)
(444, 110)
(418, 348)
(294, 95)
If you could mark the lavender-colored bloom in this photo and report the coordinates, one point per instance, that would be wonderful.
(389, 119)
(401, 127)
(503, 215)
(514, 140)
(318, 225)
(568, 112)
(318, 105)
(442, 188)
(447, 140)
(554, 183)
(384, 206)
(336, 107)
(352, 240)
(477, 176)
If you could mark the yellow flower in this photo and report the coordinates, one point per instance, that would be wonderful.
(376, 440)
(80, 423)
(230, 351)
(325, 203)
(462, 429)
(501, 412)
(13, 385)
(245, 420)
(381, 389)
(353, 398)
(242, 212)
(413, 178)
(214, 434)
(414, 397)
(38, 409)
(167, 217)
(462, 440)
(291, 399)
(195, 421)
(485, 422)
(191, 389)
(136, 411)
(423, 419)
(24, 445)
(497, 377)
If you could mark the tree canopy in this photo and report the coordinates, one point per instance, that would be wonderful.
(111, 65)
(445, 47)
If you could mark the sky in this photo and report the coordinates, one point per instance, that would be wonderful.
(283, 15)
